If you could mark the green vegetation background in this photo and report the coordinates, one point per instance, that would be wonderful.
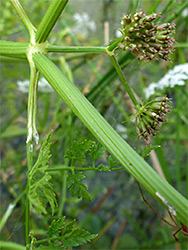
(124, 205)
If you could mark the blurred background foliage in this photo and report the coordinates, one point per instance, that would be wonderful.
(122, 219)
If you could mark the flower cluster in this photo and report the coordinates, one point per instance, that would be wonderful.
(150, 117)
(146, 38)
(176, 76)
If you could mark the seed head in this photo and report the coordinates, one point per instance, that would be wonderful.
(151, 40)
(150, 117)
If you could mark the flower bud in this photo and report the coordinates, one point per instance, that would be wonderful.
(150, 117)
(142, 30)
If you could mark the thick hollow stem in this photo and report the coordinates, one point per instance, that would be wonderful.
(50, 19)
(13, 49)
(99, 127)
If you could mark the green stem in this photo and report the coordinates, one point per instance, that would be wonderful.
(13, 49)
(177, 12)
(182, 45)
(63, 194)
(9, 210)
(11, 246)
(76, 49)
(27, 213)
(186, 184)
(113, 45)
(25, 19)
(123, 80)
(100, 128)
(135, 6)
(178, 150)
(49, 239)
(50, 19)
(109, 77)
(165, 9)
(31, 134)
(65, 168)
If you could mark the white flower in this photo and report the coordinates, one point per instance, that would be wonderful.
(83, 24)
(43, 86)
(177, 76)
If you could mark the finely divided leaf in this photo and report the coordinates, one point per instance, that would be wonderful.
(43, 157)
(103, 168)
(41, 190)
(77, 238)
(62, 236)
(56, 227)
(97, 151)
(77, 188)
(78, 150)
(145, 151)
(112, 163)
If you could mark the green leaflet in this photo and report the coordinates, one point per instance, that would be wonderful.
(65, 236)
(77, 153)
(77, 238)
(78, 150)
(40, 189)
(145, 151)
(97, 151)
(112, 162)
(77, 188)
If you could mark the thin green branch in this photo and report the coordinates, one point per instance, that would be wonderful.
(109, 77)
(27, 209)
(123, 80)
(9, 210)
(165, 9)
(76, 49)
(63, 193)
(48, 240)
(24, 18)
(50, 19)
(31, 134)
(177, 12)
(113, 45)
(178, 149)
(65, 168)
